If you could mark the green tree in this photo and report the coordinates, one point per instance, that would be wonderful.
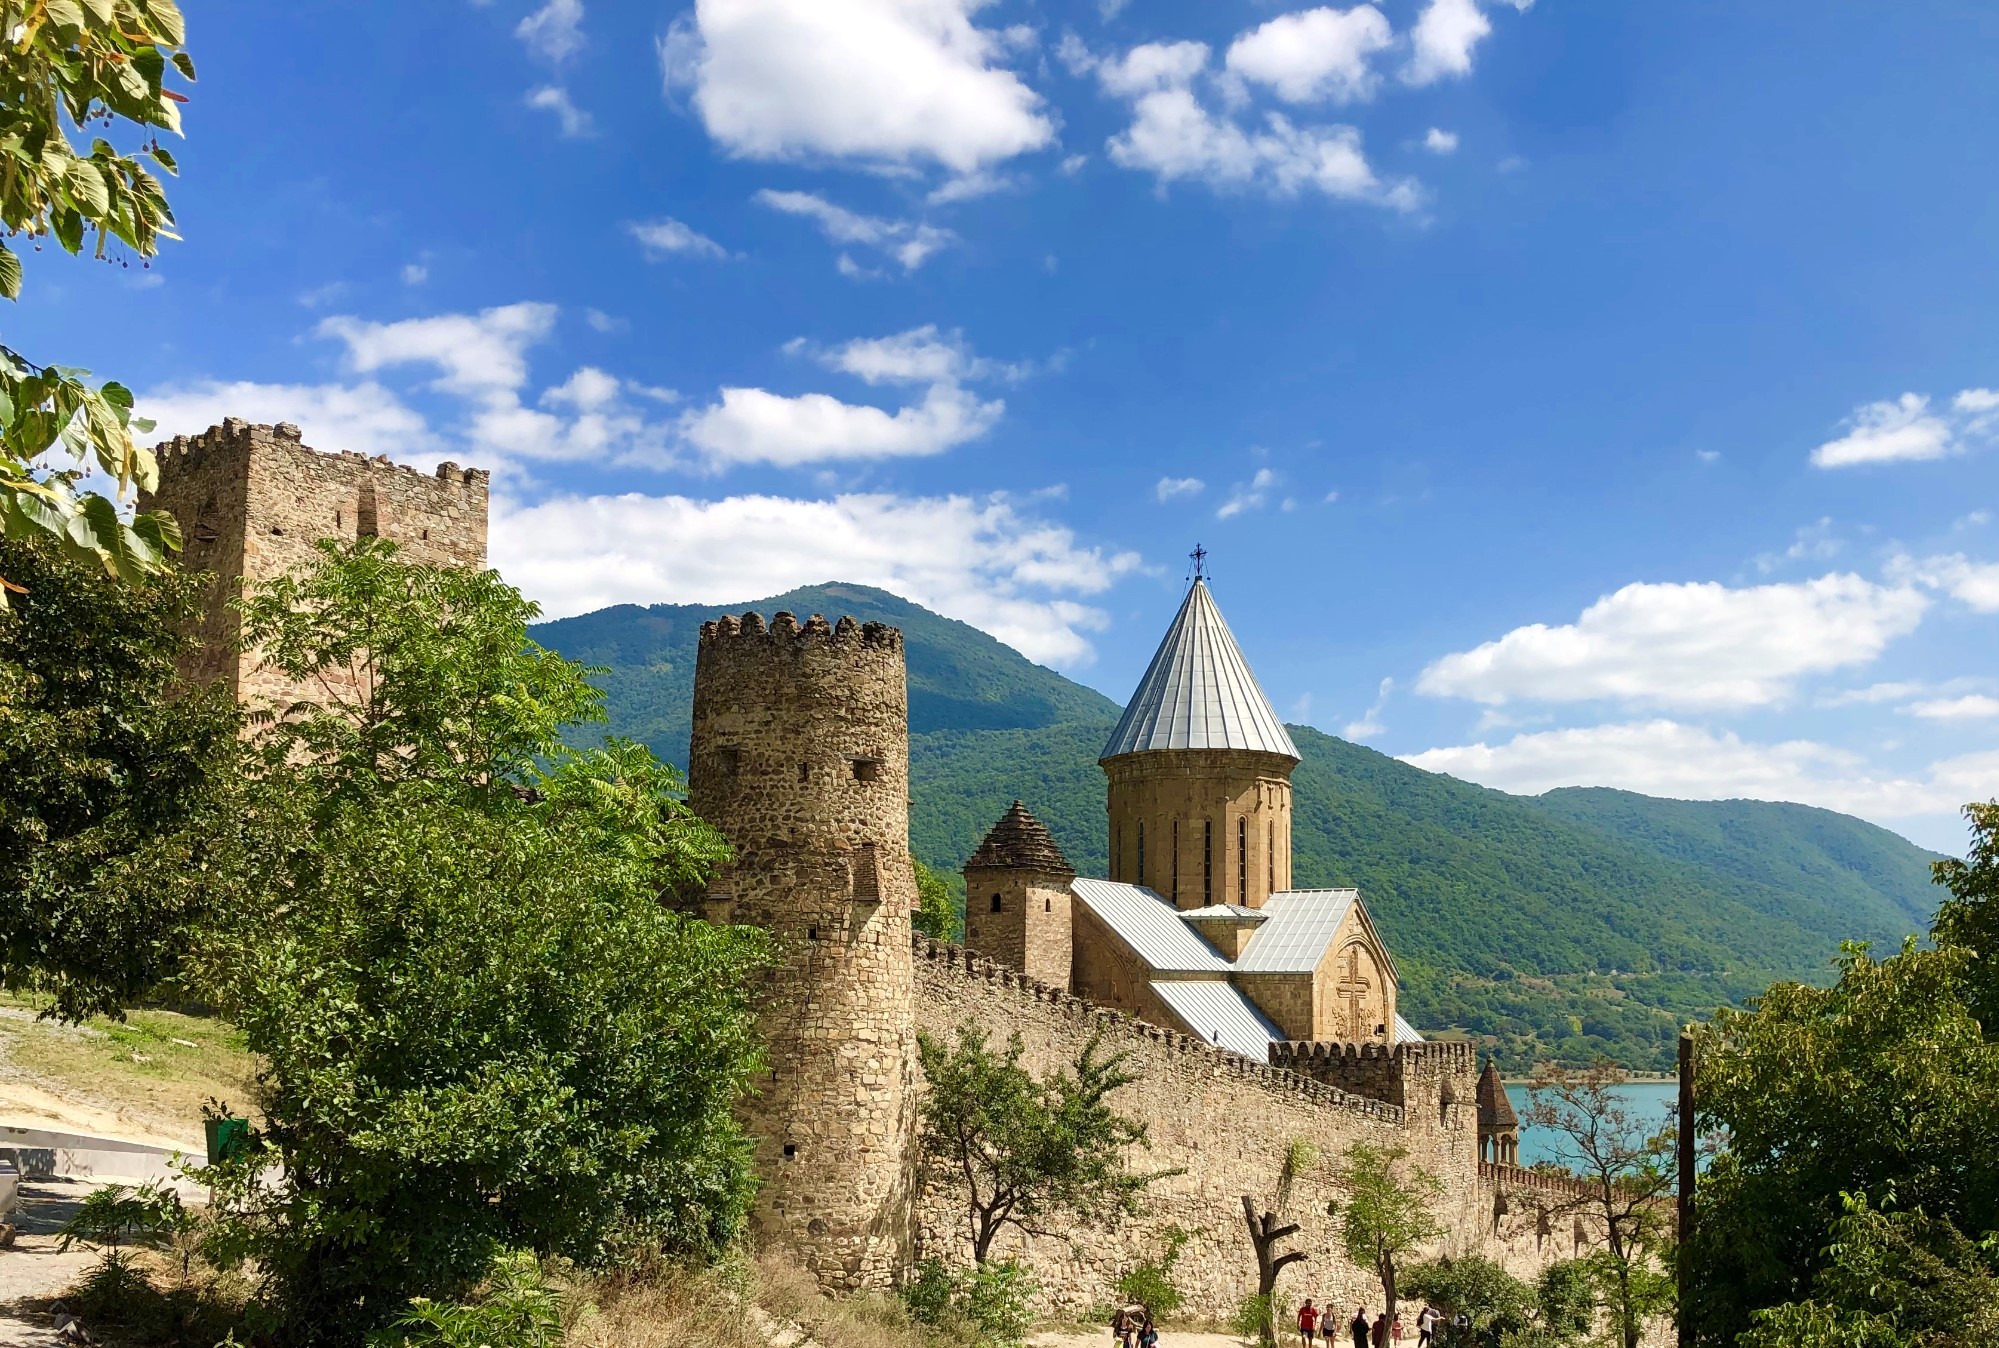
(1565, 1297)
(936, 916)
(78, 64)
(111, 773)
(1494, 1301)
(481, 1029)
(1627, 1171)
(1861, 1130)
(1388, 1212)
(1022, 1150)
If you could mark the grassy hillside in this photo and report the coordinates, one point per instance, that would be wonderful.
(959, 678)
(1573, 924)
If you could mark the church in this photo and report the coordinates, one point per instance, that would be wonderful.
(1198, 927)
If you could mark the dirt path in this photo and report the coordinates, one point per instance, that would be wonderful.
(1168, 1338)
(34, 1269)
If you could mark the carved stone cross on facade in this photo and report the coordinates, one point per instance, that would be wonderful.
(1352, 990)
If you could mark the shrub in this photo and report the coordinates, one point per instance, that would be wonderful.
(1496, 1302)
(990, 1299)
(1251, 1315)
(518, 1308)
(1151, 1284)
(117, 1213)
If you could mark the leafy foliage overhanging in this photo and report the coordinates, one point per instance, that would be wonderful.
(71, 65)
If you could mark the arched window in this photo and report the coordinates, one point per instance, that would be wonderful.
(1117, 851)
(1141, 851)
(1242, 861)
(1176, 863)
(1207, 862)
(998, 904)
(1270, 855)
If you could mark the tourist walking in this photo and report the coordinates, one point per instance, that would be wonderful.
(1308, 1323)
(1426, 1327)
(1395, 1329)
(1381, 1330)
(1148, 1337)
(1125, 1324)
(1359, 1326)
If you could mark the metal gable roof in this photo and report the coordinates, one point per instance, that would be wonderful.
(1198, 692)
(1303, 923)
(1219, 1013)
(1150, 926)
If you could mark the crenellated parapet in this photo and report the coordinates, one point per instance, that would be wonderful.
(815, 629)
(1430, 1080)
(943, 961)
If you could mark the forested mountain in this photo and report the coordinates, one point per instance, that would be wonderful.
(1580, 922)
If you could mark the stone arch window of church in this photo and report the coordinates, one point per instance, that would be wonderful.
(999, 904)
(1242, 861)
(1176, 863)
(1047, 904)
(1207, 862)
(1270, 854)
(1141, 851)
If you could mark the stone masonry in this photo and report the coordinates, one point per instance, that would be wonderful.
(1202, 826)
(800, 756)
(1018, 908)
(252, 501)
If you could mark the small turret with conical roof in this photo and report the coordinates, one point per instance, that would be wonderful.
(1200, 770)
(1017, 901)
(1498, 1125)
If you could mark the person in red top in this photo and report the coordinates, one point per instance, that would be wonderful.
(1308, 1322)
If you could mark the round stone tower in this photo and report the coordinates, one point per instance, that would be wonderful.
(800, 756)
(1200, 772)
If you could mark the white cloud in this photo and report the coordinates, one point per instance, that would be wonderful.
(1250, 495)
(415, 273)
(1442, 41)
(473, 353)
(600, 321)
(1873, 693)
(751, 425)
(1369, 725)
(1440, 141)
(575, 123)
(895, 82)
(1176, 137)
(1812, 542)
(1972, 706)
(1885, 432)
(1668, 758)
(1968, 582)
(1686, 645)
(909, 242)
(980, 560)
(1976, 400)
(663, 238)
(920, 356)
(1172, 488)
(555, 31)
(1314, 54)
(366, 418)
(1708, 455)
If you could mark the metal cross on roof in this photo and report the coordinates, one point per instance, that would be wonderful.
(1200, 556)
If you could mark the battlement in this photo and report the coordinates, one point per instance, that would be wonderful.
(944, 961)
(237, 437)
(815, 629)
(1435, 1077)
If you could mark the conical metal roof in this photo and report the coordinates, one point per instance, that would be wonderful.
(1198, 692)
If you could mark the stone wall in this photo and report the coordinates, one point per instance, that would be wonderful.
(1228, 1123)
(1023, 919)
(800, 756)
(252, 501)
(1195, 810)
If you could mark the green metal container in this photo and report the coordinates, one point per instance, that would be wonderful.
(226, 1138)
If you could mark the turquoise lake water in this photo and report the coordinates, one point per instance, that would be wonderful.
(1650, 1101)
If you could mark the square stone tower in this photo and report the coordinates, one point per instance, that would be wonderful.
(1017, 899)
(252, 500)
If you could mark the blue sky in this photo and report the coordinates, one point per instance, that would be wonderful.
(1567, 392)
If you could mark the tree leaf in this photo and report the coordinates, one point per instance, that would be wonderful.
(10, 273)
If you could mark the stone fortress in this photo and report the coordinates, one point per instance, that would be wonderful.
(1254, 1015)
